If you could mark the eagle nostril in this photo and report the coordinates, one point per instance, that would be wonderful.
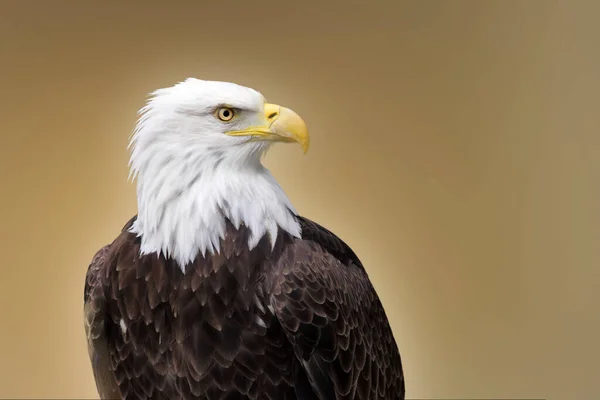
(272, 115)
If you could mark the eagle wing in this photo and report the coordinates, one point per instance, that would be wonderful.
(334, 319)
(94, 318)
(119, 371)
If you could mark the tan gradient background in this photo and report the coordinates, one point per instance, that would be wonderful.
(454, 147)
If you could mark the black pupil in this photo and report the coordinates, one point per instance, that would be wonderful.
(226, 113)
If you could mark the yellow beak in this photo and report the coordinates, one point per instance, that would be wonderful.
(281, 125)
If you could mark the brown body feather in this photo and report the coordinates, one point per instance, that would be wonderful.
(300, 321)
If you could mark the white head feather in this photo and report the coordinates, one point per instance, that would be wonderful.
(191, 176)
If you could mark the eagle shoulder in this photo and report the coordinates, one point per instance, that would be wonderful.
(329, 241)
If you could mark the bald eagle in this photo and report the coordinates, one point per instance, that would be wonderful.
(217, 288)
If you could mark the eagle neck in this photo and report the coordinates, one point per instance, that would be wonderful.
(185, 218)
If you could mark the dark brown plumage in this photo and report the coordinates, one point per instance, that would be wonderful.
(300, 321)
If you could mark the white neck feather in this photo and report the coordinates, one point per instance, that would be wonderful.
(183, 215)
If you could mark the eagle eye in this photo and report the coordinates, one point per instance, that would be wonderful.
(225, 114)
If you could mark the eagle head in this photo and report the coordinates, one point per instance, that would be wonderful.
(196, 155)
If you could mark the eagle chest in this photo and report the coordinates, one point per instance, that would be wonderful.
(211, 328)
